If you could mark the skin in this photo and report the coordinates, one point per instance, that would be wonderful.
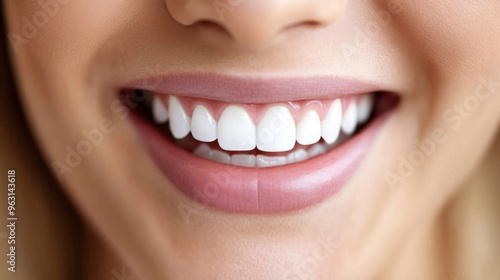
(433, 54)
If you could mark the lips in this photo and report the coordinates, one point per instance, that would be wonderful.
(252, 156)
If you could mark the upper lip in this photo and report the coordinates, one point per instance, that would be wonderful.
(255, 90)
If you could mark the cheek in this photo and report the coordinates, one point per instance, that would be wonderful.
(52, 39)
(40, 42)
(457, 38)
(458, 44)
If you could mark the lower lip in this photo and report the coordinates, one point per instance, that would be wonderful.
(259, 190)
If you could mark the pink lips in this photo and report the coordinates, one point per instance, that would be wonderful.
(257, 190)
(232, 89)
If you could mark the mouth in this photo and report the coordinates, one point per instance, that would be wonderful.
(257, 146)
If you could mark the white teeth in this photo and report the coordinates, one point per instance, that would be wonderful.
(179, 120)
(309, 128)
(350, 119)
(297, 156)
(160, 113)
(276, 131)
(203, 151)
(365, 107)
(266, 161)
(203, 125)
(243, 160)
(220, 156)
(330, 127)
(316, 150)
(236, 130)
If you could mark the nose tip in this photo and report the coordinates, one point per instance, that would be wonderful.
(255, 23)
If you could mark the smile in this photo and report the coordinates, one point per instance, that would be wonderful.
(254, 156)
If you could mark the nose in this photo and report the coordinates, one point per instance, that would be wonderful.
(257, 23)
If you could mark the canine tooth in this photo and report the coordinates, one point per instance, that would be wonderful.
(276, 131)
(179, 120)
(243, 160)
(220, 156)
(266, 161)
(297, 156)
(203, 151)
(350, 118)
(309, 128)
(365, 107)
(236, 130)
(330, 127)
(316, 150)
(160, 113)
(203, 125)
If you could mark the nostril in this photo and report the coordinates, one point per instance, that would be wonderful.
(310, 24)
(211, 25)
(314, 24)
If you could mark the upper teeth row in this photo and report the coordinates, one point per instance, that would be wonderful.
(276, 131)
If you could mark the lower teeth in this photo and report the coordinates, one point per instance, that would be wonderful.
(250, 160)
